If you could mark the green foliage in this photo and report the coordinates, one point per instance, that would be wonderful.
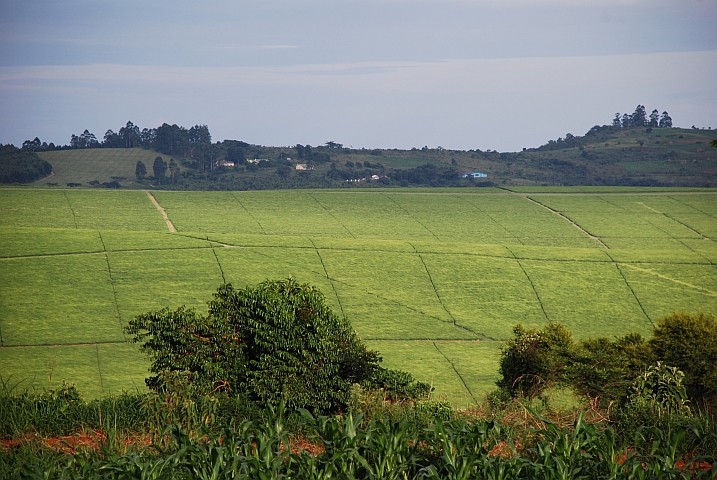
(140, 171)
(689, 342)
(534, 359)
(62, 411)
(276, 342)
(655, 397)
(603, 368)
(621, 370)
(159, 168)
(21, 166)
(397, 385)
(351, 446)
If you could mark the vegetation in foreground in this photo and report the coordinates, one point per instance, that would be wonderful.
(662, 426)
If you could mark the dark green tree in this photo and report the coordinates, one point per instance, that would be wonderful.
(665, 121)
(21, 165)
(534, 359)
(140, 171)
(129, 135)
(159, 169)
(654, 119)
(275, 342)
(639, 117)
(689, 342)
(173, 171)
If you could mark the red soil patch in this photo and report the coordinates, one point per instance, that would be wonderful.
(70, 444)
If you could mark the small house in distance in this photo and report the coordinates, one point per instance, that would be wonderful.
(226, 163)
(303, 166)
(475, 175)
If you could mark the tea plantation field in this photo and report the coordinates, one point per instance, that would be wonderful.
(433, 279)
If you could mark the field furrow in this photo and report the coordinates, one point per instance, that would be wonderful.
(434, 279)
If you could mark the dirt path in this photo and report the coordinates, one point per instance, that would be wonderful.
(170, 225)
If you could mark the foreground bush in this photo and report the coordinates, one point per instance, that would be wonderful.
(604, 368)
(689, 342)
(277, 342)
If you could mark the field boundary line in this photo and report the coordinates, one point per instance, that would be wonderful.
(433, 284)
(440, 300)
(332, 215)
(677, 239)
(101, 252)
(668, 234)
(679, 282)
(224, 280)
(77, 344)
(74, 217)
(617, 265)
(338, 249)
(704, 237)
(159, 207)
(532, 285)
(474, 206)
(412, 217)
(692, 207)
(248, 212)
(590, 235)
(112, 284)
(457, 372)
(376, 295)
(331, 281)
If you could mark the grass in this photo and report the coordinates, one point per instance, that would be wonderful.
(407, 267)
(101, 164)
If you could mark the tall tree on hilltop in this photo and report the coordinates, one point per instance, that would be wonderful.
(639, 117)
(140, 171)
(159, 168)
(654, 119)
(173, 171)
(129, 135)
(84, 140)
(665, 121)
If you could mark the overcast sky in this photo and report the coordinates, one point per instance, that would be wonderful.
(463, 74)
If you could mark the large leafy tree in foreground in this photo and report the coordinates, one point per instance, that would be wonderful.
(274, 342)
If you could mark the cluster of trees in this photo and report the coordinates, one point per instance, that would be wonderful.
(639, 118)
(310, 155)
(194, 143)
(163, 173)
(21, 166)
(607, 368)
(277, 342)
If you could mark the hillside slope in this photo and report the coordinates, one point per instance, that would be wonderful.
(604, 156)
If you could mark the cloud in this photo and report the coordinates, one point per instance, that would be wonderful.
(503, 104)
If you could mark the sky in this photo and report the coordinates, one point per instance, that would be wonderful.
(461, 74)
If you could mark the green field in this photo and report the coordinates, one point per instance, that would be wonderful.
(101, 164)
(433, 279)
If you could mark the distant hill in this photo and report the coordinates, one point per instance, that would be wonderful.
(605, 155)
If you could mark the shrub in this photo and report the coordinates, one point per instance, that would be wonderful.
(605, 368)
(655, 398)
(534, 359)
(689, 342)
(275, 342)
